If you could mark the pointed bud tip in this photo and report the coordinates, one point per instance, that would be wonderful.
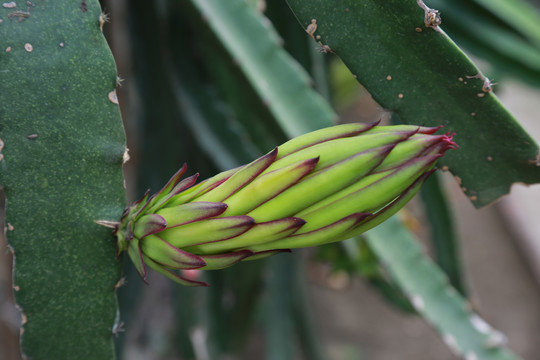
(448, 139)
(375, 123)
(313, 161)
(429, 130)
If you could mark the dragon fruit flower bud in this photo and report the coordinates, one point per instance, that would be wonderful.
(321, 187)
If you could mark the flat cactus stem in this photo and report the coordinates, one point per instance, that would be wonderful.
(428, 289)
(274, 74)
(61, 171)
(419, 74)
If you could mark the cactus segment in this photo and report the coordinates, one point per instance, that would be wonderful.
(189, 212)
(149, 224)
(216, 262)
(259, 233)
(166, 254)
(207, 230)
(267, 186)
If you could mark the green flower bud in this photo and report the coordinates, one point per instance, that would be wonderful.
(321, 187)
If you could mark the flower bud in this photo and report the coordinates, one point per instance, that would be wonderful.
(321, 187)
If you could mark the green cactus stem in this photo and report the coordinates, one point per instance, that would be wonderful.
(61, 171)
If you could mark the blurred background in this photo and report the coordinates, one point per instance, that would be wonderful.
(180, 91)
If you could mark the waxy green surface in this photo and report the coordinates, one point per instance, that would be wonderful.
(61, 170)
(419, 74)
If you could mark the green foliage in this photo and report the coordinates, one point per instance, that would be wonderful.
(443, 233)
(427, 287)
(506, 34)
(278, 80)
(217, 87)
(421, 76)
(61, 171)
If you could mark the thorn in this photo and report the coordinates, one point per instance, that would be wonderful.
(108, 223)
(432, 17)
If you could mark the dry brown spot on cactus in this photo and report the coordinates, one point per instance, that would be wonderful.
(8, 49)
(113, 98)
(487, 85)
(477, 76)
(84, 6)
(10, 227)
(489, 158)
(125, 157)
(419, 30)
(432, 17)
(311, 28)
(32, 136)
(400, 96)
(19, 14)
(480, 95)
(325, 49)
(28, 47)
(9, 5)
(389, 78)
(120, 283)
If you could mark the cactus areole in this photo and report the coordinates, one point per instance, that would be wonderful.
(321, 187)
